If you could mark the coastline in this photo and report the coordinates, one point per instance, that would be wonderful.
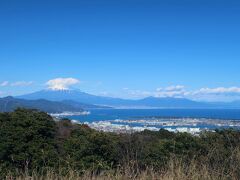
(153, 123)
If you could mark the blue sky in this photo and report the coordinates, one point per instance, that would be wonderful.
(128, 49)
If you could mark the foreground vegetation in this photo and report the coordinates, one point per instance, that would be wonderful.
(34, 146)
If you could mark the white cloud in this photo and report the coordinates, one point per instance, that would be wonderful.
(171, 91)
(17, 83)
(175, 88)
(179, 91)
(216, 94)
(219, 90)
(4, 83)
(22, 83)
(62, 83)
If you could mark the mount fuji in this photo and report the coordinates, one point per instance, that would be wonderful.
(74, 95)
(77, 96)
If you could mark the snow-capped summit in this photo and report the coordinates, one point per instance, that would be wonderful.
(62, 94)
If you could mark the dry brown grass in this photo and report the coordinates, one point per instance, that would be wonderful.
(176, 169)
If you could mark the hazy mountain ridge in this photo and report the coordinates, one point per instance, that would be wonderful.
(173, 103)
(76, 96)
(9, 104)
(83, 105)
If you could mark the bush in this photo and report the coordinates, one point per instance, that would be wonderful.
(27, 140)
(89, 149)
(31, 140)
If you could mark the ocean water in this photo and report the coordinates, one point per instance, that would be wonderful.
(113, 114)
(173, 119)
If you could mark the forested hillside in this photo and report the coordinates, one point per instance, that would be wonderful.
(33, 143)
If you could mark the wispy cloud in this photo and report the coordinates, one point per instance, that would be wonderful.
(173, 88)
(216, 94)
(171, 91)
(219, 90)
(62, 83)
(4, 83)
(22, 83)
(17, 83)
(180, 91)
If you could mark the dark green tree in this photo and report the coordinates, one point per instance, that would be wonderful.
(27, 140)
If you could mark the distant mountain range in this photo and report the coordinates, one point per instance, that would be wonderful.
(9, 104)
(77, 96)
(83, 105)
(74, 97)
